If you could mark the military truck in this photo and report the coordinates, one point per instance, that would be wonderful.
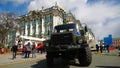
(68, 42)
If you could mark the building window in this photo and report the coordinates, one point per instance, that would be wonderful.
(33, 29)
(47, 18)
(39, 29)
(23, 31)
(28, 31)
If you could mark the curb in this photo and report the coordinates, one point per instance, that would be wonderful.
(107, 54)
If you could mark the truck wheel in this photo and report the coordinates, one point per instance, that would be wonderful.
(85, 56)
(49, 59)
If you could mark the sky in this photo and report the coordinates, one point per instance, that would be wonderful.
(102, 16)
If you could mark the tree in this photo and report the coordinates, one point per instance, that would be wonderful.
(7, 23)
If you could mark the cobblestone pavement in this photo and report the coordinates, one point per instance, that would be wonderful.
(6, 59)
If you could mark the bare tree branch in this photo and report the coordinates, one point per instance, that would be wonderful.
(7, 24)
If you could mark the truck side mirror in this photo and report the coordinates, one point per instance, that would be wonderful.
(86, 29)
(82, 32)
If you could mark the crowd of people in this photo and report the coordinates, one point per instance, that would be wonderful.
(27, 49)
(101, 48)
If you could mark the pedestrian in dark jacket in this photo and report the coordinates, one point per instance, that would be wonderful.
(14, 50)
(107, 47)
(97, 48)
(101, 49)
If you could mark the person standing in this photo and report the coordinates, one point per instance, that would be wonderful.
(2, 50)
(101, 46)
(28, 49)
(33, 50)
(14, 50)
(23, 50)
(107, 47)
(97, 48)
(40, 47)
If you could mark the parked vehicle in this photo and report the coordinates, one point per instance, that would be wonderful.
(69, 42)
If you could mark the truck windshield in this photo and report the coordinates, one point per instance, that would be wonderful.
(67, 27)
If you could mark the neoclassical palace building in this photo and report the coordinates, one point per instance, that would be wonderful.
(39, 24)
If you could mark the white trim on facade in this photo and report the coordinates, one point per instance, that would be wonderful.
(26, 30)
(43, 28)
(37, 32)
(31, 32)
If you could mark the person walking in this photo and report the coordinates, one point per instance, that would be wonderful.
(14, 51)
(28, 49)
(33, 50)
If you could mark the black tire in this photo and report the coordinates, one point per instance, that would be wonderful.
(49, 59)
(85, 56)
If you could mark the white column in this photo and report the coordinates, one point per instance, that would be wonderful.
(26, 30)
(37, 27)
(18, 32)
(31, 28)
(43, 28)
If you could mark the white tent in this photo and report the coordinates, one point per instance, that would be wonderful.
(32, 38)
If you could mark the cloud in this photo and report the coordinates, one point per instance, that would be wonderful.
(102, 17)
(112, 27)
(15, 2)
(37, 4)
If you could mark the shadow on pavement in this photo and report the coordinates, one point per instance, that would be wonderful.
(58, 63)
(42, 64)
(108, 66)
